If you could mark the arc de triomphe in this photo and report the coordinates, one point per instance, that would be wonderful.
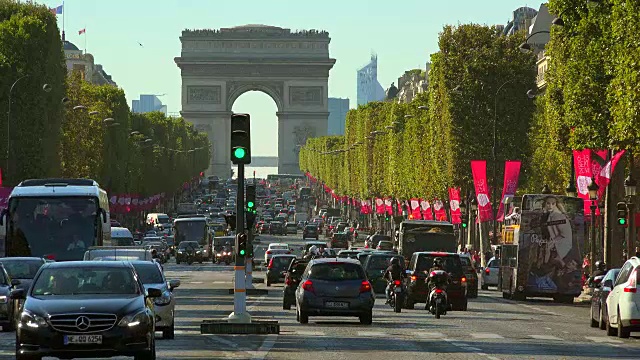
(219, 65)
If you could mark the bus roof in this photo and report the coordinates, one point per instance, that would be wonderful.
(57, 187)
(190, 219)
(426, 222)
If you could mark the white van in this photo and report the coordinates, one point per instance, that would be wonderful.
(159, 219)
(121, 237)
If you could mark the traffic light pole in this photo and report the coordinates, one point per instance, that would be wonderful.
(249, 260)
(240, 314)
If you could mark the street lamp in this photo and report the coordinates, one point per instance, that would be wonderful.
(46, 88)
(463, 213)
(630, 192)
(79, 107)
(525, 47)
(630, 186)
(593, 196)
(546, 189)
(422, 107)
(531, 94)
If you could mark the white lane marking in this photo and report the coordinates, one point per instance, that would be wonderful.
(492, 358)
(371, 333)
(540, 310)
(481, 354)
(257, 302)
(308, 333)
(486, 336)
(187, 332)
(222, 340)
(264, 349)
(195, 282)
(431, 335)
(472, 348)
(545, 337)
(603, 339)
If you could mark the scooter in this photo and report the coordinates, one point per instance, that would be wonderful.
(438, 302)
(224, 257)
(397, 296)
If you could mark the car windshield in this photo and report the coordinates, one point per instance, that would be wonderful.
(122, 241)
(117, 254)
(149, 273)
(465, 261)
(190, 231)
(449, 263)
(72, 280)
(379, 262)
(62, 227)
(188, 245)
(282, 262)
(336, 272)
(21, 268)
(279, 247)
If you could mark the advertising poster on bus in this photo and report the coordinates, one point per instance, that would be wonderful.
(550, 244)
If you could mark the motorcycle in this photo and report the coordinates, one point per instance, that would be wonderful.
(397, 296)
(224, 257)
(438, 303)
(191, 254)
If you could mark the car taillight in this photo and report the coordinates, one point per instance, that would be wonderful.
(50, 257)
(365, 286)
(396, 282)
(288, 252)
(268, 252)
(438, 291)
(414, 278)
(463, 280)
(308, 286)
(631, 286)
(487, 271)
(270, 264)
(288, 281)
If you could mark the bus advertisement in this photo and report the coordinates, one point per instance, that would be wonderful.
(545, 258)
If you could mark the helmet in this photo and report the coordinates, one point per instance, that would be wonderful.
(437, 262)
(395, 261)
(600, 265)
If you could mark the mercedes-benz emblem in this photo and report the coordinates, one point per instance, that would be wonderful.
(337, 288)
(83, 323)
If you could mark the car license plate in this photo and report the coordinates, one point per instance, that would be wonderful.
(438, 300)
(338, 305)
(398, 290)
(82, 339)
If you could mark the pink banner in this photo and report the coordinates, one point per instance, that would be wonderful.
(511, 175)
(454, 205)
(388, 206)
(415, 209)
(584, 173)
(479, 171)
(380, 208)
(427, 214)
(439, 211)
(604, 175)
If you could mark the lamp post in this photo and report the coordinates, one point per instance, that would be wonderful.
(525, 47)
(471, 239)
(593, 196)
(546, 190)
(630, 192)
(463, 213)
(45, 88)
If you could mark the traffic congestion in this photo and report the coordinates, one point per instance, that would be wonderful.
(93, 288)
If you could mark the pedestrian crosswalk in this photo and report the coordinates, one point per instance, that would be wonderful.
(453, 337)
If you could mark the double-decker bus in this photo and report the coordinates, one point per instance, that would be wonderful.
(58, 219)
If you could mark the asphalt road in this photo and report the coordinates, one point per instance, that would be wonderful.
(492, 328)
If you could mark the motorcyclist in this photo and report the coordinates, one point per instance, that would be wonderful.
(600, 269)
(392, 273)
(439, 281)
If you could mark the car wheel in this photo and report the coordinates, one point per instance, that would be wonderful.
(623, 332)
(148, 355)
(593, 323)
(169, 333)
(303, 317)
(602, 325)
(366, 318)
(23, 356)
(268, 283)
(485, 287)
(177, 261)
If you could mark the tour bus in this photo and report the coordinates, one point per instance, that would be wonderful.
(194, 229)
(425, 235)
(57, 219)
(543, 258)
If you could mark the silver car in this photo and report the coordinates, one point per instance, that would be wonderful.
(490, 274)
(151, 275)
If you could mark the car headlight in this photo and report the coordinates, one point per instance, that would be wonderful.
(165, 299)
(179, 251)
(134, 320)
(4, 299)
(32, 320)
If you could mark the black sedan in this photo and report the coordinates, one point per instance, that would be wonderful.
(601, 290)
(9, 305)
(22, 269)
(81, 309)
(291, 282)
(335, 287)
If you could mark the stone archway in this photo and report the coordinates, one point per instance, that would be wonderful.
(217, 66)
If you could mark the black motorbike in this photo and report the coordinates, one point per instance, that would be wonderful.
(190, 255)
(397, 296)
(438, 302)
(224, 256)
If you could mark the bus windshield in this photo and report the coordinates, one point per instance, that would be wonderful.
(190, 231)
(60, 228)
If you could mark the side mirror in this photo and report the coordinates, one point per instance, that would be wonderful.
(174, 284)
(15, 282)
(608, 283)
(18, 294)
(154, 293)
(597, 280)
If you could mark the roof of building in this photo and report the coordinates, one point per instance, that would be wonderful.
(257, 26)
(67, 45)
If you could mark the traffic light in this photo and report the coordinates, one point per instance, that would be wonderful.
(250, 251)
(622, 214)
(240, 139)
(251, 198)
(242, 244)
(250, 217)
(464, 223)
(386, 217)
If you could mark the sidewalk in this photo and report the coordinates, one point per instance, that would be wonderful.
(585, 296)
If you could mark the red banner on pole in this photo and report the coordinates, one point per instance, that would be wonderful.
(584, 174)
(439, 210)
(427, 214)
(415, 209)
(479, 171)
(454, 205)
(380, 208)
(388, 206)
(511, 175)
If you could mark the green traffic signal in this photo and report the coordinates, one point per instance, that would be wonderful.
(239, 153)
(622, 221)
(464, 225)
(250, 204)
(242, 252)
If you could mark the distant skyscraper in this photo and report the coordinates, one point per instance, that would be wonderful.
(369, 89)
(338, 109)
(148, 103)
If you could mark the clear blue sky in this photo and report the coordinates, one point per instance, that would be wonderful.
(403, 34)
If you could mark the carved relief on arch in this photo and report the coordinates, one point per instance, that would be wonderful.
(275, 89)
